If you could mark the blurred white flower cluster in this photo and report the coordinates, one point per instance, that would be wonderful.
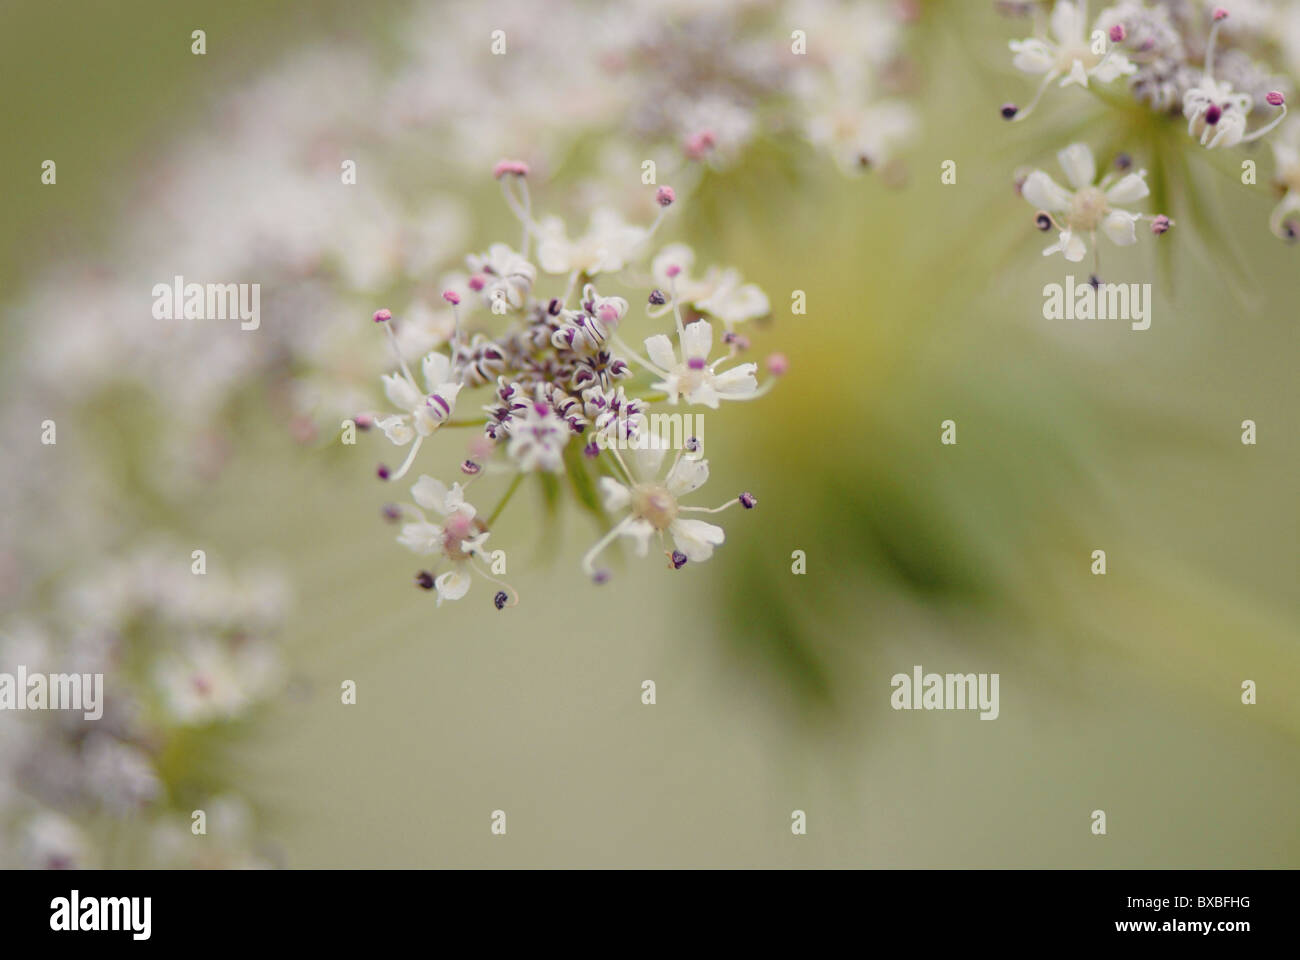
(345, 176)
(181, 656)
(1224, 70)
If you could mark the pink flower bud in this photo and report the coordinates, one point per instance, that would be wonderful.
(777, 364)
(477, 282)
(1220, 14)
(383, 316)
(1118, 33)
(1275, 98)
(665, 196)
(673, 270)
(451, 296)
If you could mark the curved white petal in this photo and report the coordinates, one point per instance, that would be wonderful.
(695, 538)
(1067, 22)
(660, 351)
(687, 475)
(697, 340)
(1032, 56)
(614, 495)
(1045, 193)
(421, 537)
(431, 493)
(452, 585)
(400, 392)
(1121, 228)
(738, 382)
(1132, 188)
(437, 369)
(1079, 166)
(640, 532)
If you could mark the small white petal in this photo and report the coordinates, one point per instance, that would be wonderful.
(421, 537)
(452, 585)
(431, 494)
(1121, 228)
(1044, 192)
(1079, 166)
(1132, 188)
(660, 351)
(695, 538)
(686, 476)
(400, 392)
(615, 496)
(697, 340)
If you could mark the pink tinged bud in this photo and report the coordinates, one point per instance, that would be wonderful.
(451, 296)
(458, 526)
(608, 313)
(1214, 114)
(363, 421)
(1161, 224)
(512, 168)
(673, 270)
(383, 316)
(1220, 14)
(1118, 33)
(1275, 98)
(477, 282)
(698, 144)
(777, 365)
(665, 196)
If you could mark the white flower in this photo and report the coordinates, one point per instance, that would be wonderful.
(694, 377)
(427, 412)
(652, 506)
(502, 275)
(860, 136)
(719, 293)
(1072, 56)
(50, 841)
(1215, 114)
(212, 679)
(607, 246)
(1089, 208)
(537, 439)
(459, 538)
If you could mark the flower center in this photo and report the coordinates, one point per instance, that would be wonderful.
(654, 503)
(1079, 51)
(1088, 209)
(455, 531)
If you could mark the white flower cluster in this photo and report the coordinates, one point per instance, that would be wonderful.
(181, 656)
(565, 392)
(1176, 58)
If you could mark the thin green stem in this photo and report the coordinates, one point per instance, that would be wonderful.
(510, 492)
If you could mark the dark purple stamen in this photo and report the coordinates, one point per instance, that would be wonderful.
(391, 512)
(748, 500)
(500, 599)
(424, 580)
(679, 559)
(382, 472)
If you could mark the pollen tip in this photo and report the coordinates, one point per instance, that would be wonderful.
(381, 472)
(500, 600)
(1213, 114)
(512, 168)
(678, 559)
(424, 580)
(477, 282)
(1009, 111)
(600, 576)
(1220, 14)
(673, 270)
(1161, 224)
(665, 196)
(470, 468)
(777, 364)
(748, 500)
(1043, 221)
(1275, 98)
(451, 296)
(383, 316)
(391, 512)
(1118, 33)
(657, 298)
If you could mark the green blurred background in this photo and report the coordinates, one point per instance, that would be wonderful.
(1119, 693)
